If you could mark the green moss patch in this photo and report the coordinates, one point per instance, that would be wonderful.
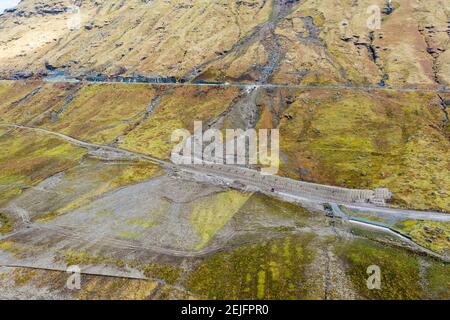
(6, 225)
(438, 278)
(400, 276)
(272, 270)
(429, 234)
(28, 158)
(370, 140)
(209, 215)
(168, 273)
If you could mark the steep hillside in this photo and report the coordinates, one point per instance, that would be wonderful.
(85, 146)
(279, 41)
(349, 138)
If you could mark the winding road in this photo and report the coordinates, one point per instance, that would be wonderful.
(403, 213)
(193, 170)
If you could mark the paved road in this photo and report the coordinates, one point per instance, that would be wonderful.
(337, 212)
(404, 214)
(272, 86)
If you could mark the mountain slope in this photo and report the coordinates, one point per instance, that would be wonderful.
(279, 41)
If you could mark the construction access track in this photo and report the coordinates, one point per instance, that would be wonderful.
(288, 189)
